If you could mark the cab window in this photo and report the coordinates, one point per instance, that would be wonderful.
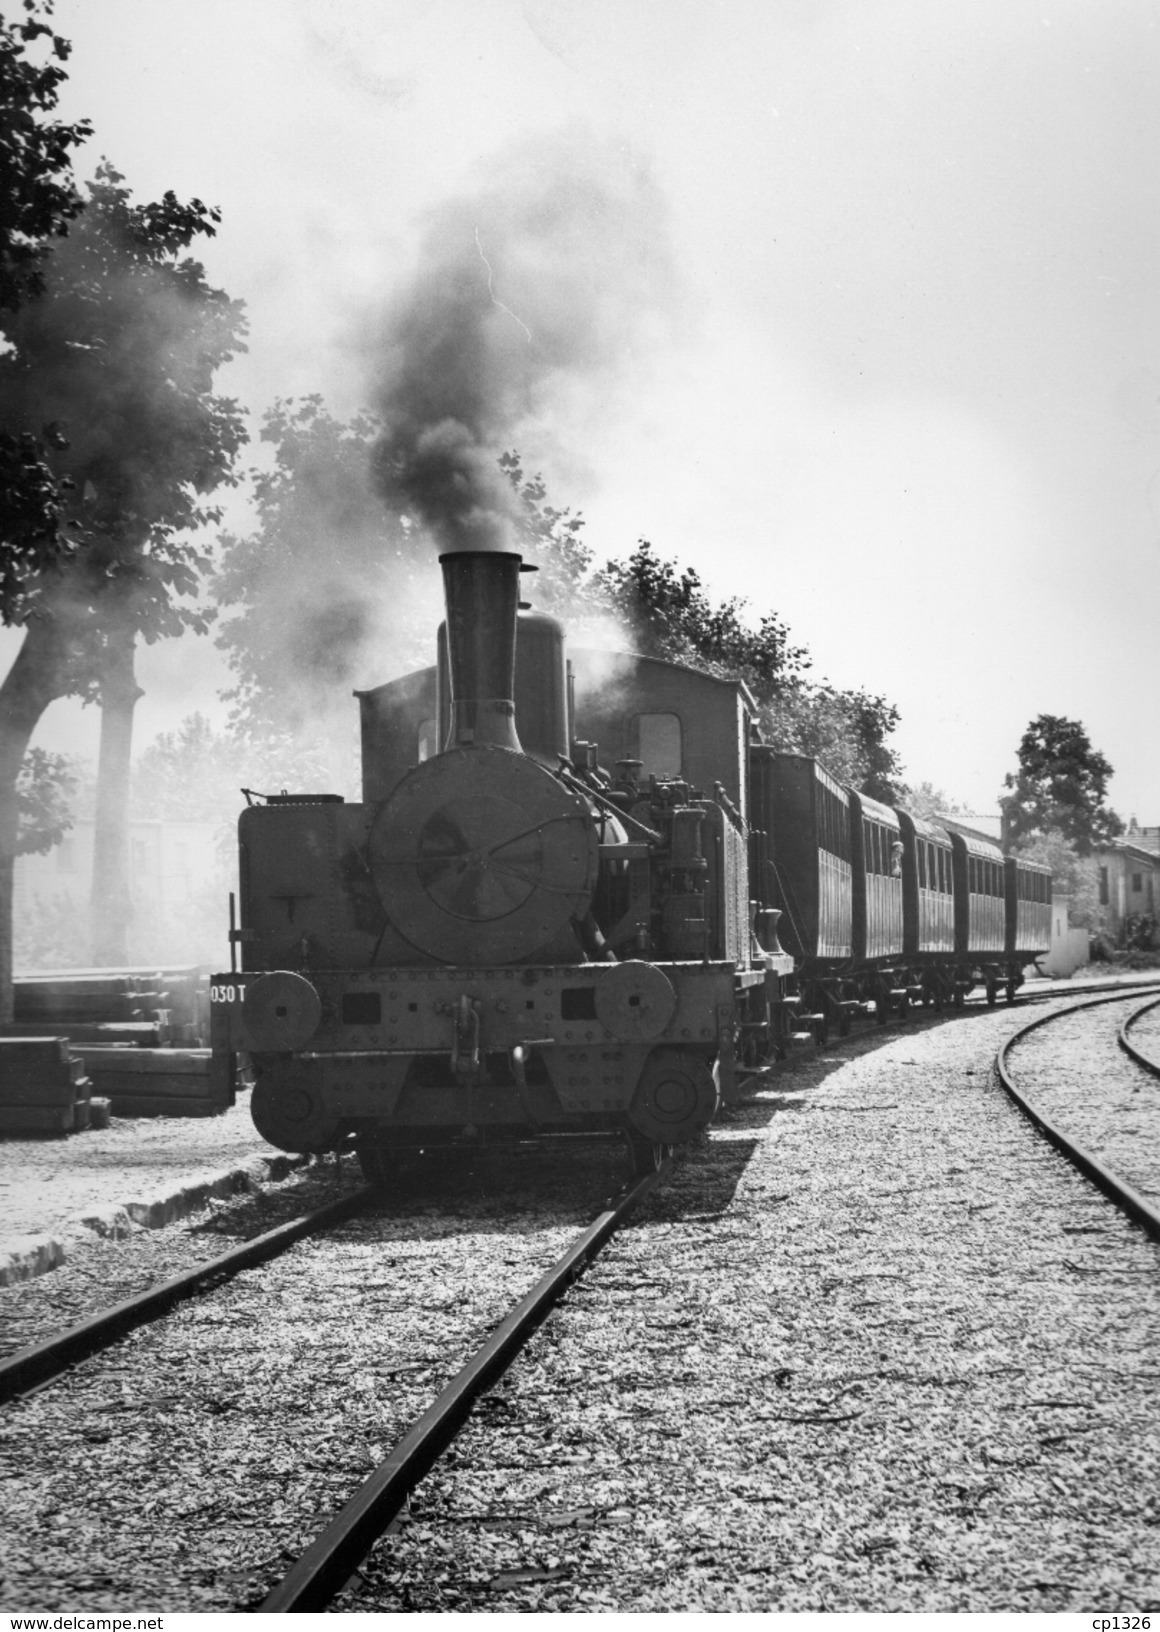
(657, 744)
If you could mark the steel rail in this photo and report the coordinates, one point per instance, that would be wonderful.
(40, 1362)
(330, 1560)
(1117, 1190)
(1129, 1048)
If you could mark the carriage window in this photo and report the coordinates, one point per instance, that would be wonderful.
(920, 849)
(658, 744)
(428, 739)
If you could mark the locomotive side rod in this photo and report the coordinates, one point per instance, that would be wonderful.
(330, 1560)
(31, 1367)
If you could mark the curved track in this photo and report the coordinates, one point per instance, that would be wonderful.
(1124, 1196)
(1129, 1048)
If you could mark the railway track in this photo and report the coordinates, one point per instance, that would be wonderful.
(1147, 1061)
(328, 1563)
(1115, 1186)
(30, 1368)
(86, 1395)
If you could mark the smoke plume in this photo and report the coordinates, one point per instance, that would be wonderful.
(529, 299)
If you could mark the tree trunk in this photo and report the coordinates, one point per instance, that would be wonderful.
(111, 901)
(33, 681)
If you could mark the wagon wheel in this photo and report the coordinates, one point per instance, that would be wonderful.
(992, 992)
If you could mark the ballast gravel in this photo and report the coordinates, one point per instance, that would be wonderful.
(875, 1346)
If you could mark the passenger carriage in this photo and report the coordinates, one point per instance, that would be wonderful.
(928, 905)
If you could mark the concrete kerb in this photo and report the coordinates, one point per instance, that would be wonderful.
(24, 1257)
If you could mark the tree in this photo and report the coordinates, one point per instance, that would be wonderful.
(925, 800)
(197, 774)
(1061, 784)
(334, 588)
(119, 350)
(668, 614)
(38, 196)
(45, 789)
(38, 199)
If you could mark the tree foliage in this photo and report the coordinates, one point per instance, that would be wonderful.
(38, 200)
(198, 774)
(669, 614)
(45, 790)
(1061, 785)
(118, 354)
(331, 589)
(925, 800)
(38, 196)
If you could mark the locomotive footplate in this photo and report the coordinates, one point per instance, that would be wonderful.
(505, 1044)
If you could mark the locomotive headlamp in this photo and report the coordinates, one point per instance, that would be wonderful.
(281, 1011)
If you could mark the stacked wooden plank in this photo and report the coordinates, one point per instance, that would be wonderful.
(44, 1088)
(156, 1081)
(174, 999)
(142, 1033)
(117, 1023)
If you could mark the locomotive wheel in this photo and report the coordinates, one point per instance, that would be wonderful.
(645, 1155)
(675, 1098)
(291, 1114)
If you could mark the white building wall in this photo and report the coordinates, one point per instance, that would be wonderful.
(1069, 947)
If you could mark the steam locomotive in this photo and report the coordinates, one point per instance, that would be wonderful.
(557, 907)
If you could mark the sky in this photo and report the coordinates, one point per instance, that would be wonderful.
(907, 392)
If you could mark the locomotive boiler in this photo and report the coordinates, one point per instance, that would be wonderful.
(506, 936)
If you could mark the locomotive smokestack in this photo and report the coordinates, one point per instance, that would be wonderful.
(482, 592)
